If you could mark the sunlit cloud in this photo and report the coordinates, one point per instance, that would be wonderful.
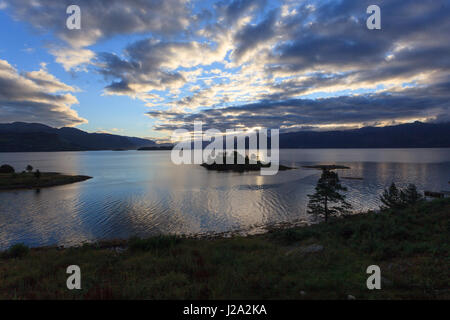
(36, 96)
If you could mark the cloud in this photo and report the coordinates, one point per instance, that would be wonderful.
(333, 37)
(347, 111)
(103, 19)
(252, 36)
(36, 96)
(152, 65)
(279, 54)
(100, 19)
(73, 59)
(249, 63)
(232, 11)
(48, 82)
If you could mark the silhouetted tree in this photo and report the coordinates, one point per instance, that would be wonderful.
(410, 195)
(6, 168)
(327, 199)
(391, 198)
(37, 174)
(395, 198)
(29, 168)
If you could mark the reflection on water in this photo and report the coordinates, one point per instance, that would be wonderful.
(143, 193)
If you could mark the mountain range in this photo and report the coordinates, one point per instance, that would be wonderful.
(23, 137)
(409, 135)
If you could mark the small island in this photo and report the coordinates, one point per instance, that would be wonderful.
(326, 167)
(239, 164)
(10, 180)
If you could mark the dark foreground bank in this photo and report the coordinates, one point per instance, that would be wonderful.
(325, 261)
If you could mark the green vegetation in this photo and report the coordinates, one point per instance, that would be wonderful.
(155, 243)
(323, 261)
(34, 180)
(16, 251)
(395, 198)
(327, 199)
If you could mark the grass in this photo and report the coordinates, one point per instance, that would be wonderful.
(411, 247)
(28, 180)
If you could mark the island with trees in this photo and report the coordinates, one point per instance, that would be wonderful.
(237, 163)
(326, 167)
(29, 179)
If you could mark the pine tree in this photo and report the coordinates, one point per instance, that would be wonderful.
(327, 199)
(410, 195)
(395, 198)
(392, 198)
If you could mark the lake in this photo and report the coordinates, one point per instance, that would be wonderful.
(142, 193)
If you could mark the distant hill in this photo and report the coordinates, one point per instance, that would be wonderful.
(156, 148)
(410, 135)
(23, 137)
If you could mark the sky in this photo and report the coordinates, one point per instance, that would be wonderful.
(147, 67)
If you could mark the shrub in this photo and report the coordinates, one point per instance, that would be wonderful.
(410, 195)
(293, 235)
(159, 242)
(37, 174)
(17, 251)
(6, 168)
(396, 198)
(29, 168)
(346, 232)
(391, 198)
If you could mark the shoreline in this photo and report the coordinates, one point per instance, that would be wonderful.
(250, 231)
(318, 261)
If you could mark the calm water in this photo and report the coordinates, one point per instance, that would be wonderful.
(143, 193)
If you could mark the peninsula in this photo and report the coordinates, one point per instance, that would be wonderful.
(37, 180)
